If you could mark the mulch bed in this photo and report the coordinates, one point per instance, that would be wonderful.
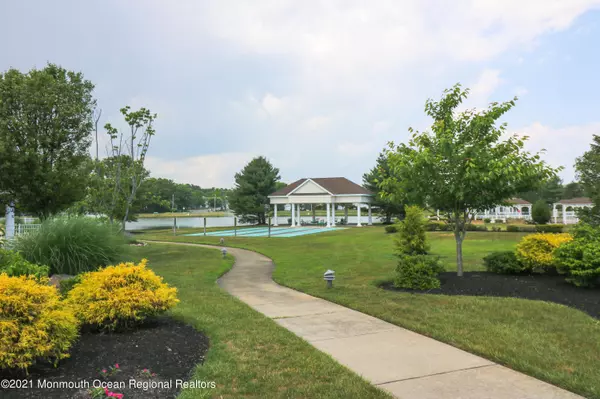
(165, 347)
(551, 288)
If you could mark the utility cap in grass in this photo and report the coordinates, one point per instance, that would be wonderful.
(222, 241)
(224, 251)
(329, 275)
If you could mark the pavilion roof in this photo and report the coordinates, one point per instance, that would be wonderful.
(335, 185)
(579, 200)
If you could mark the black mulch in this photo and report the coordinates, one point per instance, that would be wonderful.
(165, 347)
(551, 288)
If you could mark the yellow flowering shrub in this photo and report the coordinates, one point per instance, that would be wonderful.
(121, 296)
(34, 322)
(535, 251)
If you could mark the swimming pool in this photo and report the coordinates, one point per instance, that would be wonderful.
(284, 232)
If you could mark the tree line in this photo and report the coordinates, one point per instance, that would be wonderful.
(48, 122)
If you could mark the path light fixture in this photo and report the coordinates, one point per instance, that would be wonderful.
(222, 241)
(224, 251)
(329, 276)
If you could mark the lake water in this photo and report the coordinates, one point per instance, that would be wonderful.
(226, 221)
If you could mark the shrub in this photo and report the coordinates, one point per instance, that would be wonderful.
(120, 297)
(535, 251)
(34, 323)
(503, 262)
(432, 226)
(411, 238)
(540, 212)
(580, 258)
(549, 228)
(523, 229)
(67, 285)
(487, 220)
(13, 264)
(444, 227)
(72, 245)
(390, 228)
(418, 272)
(475, 227)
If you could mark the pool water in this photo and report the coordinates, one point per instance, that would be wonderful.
(264, 232)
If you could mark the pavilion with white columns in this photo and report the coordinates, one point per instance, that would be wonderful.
(331, 191)
(568, 209)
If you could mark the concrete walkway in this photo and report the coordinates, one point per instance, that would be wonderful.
(404, 363)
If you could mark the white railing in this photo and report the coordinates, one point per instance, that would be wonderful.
(26, 228)
(502, 215)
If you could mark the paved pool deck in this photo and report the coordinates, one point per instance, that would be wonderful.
(405, 364)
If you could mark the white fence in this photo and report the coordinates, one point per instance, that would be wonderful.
(26, 228)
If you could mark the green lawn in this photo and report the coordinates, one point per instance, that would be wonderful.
(552, 342)
(250, 355)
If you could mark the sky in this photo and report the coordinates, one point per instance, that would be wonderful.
(319, 87)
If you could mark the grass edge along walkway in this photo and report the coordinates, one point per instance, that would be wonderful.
(551, 342)
(250, 355)
(389, 356)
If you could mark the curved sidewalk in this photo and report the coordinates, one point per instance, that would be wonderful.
(404, 363)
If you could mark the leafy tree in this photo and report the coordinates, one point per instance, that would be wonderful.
(549, 191)
(45, 135)
(540, 212)
(587, 168)
(463, 165)
(388, 207)
(253, 185)
(106, 194)
(573, 190)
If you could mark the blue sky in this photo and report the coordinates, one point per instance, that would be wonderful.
(318, 87)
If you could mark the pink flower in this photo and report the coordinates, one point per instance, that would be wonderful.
(104, 371)
(145, 370)
(116, 365)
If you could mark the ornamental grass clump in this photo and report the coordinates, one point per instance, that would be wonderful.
(72, 245)
(536, 251)
(34, 323)
(121, 297)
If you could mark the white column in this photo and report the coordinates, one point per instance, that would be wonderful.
(564, 211)
(437, 213)
(346, 213)
(275, 216)
(554, 213)
(328, 214)
(333, 215)
(10, 220)
(371, 216)
(293, 215)
(299, 215)
(358, 214)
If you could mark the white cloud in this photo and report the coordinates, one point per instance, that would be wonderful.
(216, 170)
(562, 144)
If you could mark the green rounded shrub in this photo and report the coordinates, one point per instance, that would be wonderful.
(580, 258)
(418, 272)
(503, 262)
(13, 264)
(540, 212)
(72, 245)
(390, 229)
(549, 228)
